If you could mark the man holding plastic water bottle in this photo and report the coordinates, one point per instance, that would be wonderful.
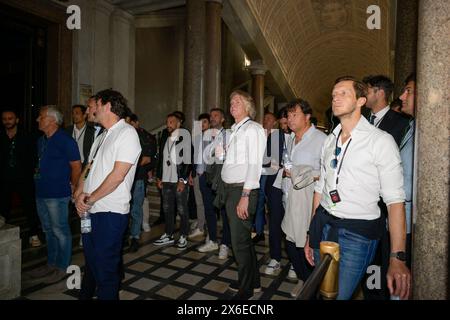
(103, 196)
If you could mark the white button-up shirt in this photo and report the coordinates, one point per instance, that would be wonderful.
(118, 143)
(169, 172)
(371, 168)
(379, 116)
(78, 135)
(244, 154)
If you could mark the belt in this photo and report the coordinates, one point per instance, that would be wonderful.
(234, 185)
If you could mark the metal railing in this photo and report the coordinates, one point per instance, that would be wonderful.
(325, 274)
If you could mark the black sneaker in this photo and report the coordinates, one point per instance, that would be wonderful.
(134, 245)
(165, 239)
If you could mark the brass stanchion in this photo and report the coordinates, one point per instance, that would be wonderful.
(329, 286)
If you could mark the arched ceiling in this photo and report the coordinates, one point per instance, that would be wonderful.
(316, 41)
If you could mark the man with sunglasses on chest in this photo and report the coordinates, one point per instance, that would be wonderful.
(359, 163)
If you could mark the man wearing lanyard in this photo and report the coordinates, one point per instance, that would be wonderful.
(81, 131)
(358, 164)
(241, 172)
(105, 193)
(173, 171)
(212, 157)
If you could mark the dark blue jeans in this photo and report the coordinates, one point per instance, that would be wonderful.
(102, 253)
(260, 218)
(298, 259)
(210, 214)
(356, 254)
(276, 215)
(137, 213)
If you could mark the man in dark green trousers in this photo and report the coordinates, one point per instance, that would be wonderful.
(244, 151)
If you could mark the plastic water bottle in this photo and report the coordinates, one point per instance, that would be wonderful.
(86, 222)
(287, 164)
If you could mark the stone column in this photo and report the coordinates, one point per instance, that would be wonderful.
(193, 76)
(213, 54)
(258, 70)
(406, 42)
(431, 237)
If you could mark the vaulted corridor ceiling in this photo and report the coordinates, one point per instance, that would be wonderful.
(316, 41)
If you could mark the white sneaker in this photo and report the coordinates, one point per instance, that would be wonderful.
(35, 242)
(291, 274)
(273, 268)
(223, 252)
(165, 239)
(146, 227)
(195, 233)
(182, 243)
(208, 246)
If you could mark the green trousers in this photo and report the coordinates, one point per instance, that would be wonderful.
(241, 239)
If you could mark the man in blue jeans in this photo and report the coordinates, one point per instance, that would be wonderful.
(148, 145)
(359, 163)
(104, 191)
(57, 171)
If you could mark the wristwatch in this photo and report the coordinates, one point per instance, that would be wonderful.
(245, 194)
(182, 180)
(400, 255)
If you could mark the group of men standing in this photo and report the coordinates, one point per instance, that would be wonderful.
(341, 177)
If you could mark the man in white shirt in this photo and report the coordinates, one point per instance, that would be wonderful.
(105, 193)
(174, 168)
(358, 164)
(82, 132)
(215, 138)
(241, 172)
(381, 116)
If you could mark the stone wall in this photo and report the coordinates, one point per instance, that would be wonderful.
(10, 262)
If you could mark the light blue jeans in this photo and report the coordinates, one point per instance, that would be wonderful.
(54, 216)
(356, 253)
(137, 212)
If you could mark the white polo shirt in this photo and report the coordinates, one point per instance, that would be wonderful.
(118, 143)
(371, 168)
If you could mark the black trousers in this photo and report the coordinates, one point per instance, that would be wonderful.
(25, 190)
(241, 240)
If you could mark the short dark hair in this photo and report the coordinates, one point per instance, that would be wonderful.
(203, 116)
(218, 110)
(10, 110)
(174, 115)
(303, 104)
(133, 117)
(410, 77)
(117, 101)
(282, 113)
(381, 82)
(359, 86)
(270, 113)
(82, 108)
(180, 115)
(396, 102)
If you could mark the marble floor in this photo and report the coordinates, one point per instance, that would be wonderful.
(155, 273)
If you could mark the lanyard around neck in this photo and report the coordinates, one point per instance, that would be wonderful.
(81, 133)
(343, 156)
